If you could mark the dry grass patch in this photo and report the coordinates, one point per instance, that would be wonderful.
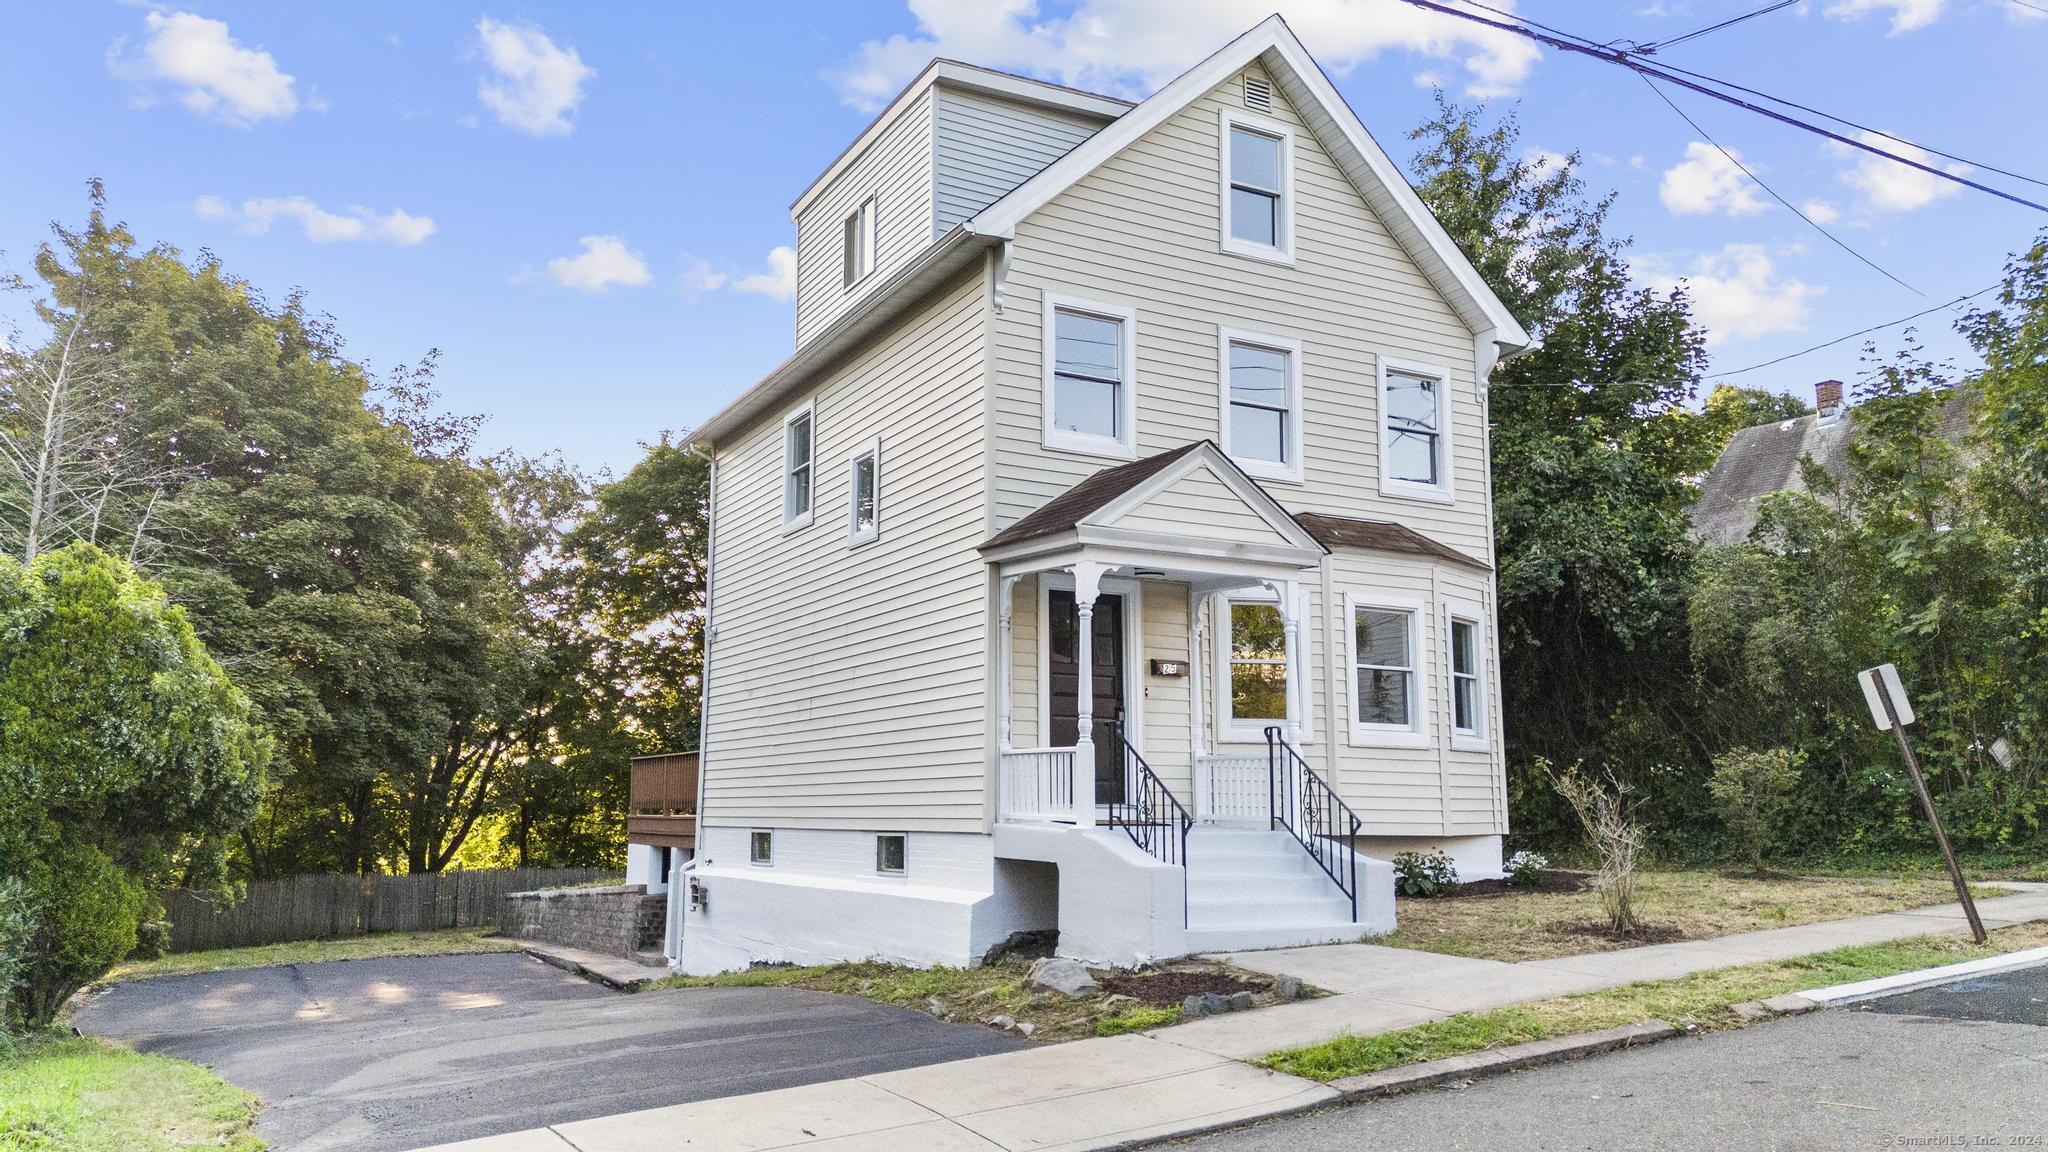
(447, 942)
(1674, 905)
(1703, 1002)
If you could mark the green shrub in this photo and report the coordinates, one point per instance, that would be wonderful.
(1424, 874)
(1525, 869)
(17, 927)
(87, 913)
(1753, 791)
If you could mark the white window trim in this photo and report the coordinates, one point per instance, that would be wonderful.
(892, 872)
(1291, 471)
(1414, 734)
(1475, 739)
(855, 536)
(803, 519)
(768, 832)
(1229, 729)
(863, 215)
(1283, 252)
(1124, 445)
(1444, 491)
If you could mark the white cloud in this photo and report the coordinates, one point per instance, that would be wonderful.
(700, 277)
(605, 263)
(1707, 183)
(779, 282)
(214, 74)
(1130, 47)
(353, 224)
(1906, 14)
(534, 85)
(1736, 293)
(1888, 186)
(1820, 211)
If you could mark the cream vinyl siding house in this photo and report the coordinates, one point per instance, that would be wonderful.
(1114, 554)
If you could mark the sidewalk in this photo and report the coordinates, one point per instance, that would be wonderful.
(1187, 1079)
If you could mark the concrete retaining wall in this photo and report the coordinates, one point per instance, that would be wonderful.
(617, 921)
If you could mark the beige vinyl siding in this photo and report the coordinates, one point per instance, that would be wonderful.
(1142, 231)
(847, 684)
(986, 145)
(896, 170)
(1200, 505)
(1167, 745)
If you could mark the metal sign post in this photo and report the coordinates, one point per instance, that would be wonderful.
(1890, 709)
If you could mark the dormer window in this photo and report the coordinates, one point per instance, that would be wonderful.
(1257, 187)
(857, 238)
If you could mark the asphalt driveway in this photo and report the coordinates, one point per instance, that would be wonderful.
(383, 1055)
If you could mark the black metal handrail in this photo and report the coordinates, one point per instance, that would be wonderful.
(1310, 809)
(1148, 813)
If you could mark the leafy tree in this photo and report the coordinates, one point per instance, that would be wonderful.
(1592, 447)
(123, 750)
(1730, 409)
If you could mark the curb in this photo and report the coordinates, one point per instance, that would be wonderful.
(588, 973)
(1473, 1065)
(1841, 994)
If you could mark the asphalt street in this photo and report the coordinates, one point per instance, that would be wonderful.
(1965, 1066)
(383, 1055)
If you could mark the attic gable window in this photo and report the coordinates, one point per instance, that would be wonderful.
(1257, 187)
(857, 244)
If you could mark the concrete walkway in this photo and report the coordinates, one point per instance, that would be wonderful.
(1191, 1078)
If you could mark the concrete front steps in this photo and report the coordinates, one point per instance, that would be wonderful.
(1254, 888)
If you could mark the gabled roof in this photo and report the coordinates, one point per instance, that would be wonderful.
(1122, 505)
(1382, 536)
(1273, 44)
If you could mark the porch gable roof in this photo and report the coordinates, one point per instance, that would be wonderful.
(1146, 500)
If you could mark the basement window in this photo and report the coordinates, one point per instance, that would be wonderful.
(761, 848)
(891, 852)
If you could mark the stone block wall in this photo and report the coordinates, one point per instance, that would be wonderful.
(617, 921)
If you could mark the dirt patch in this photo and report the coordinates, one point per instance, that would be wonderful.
(1647, 934)
(1554, 881)
(1172, 987)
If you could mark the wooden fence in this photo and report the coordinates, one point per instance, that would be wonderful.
(320, 907)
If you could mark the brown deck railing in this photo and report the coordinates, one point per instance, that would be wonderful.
(661, 806)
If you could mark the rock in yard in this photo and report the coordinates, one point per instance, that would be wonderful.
(934, 1006)
(1000, 1022)
(1286, 988)
(1204, 1004)
(1023, 945)
(1057, 974)
(1117, 1002)
(1025, 1028)
(1239, 1001)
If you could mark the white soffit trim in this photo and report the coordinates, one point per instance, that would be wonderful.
(1334, 125)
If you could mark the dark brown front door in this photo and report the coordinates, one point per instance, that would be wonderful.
(1107, 684)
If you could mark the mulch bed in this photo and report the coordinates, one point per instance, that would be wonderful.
(1555, 881)
(1172, 987)
(1594, 930)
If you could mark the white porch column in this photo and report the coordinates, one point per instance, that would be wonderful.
(1198, 718)
(1291, 619)
(1087, 586)
(1006, 688)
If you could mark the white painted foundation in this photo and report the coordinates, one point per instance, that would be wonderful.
(1477, 857)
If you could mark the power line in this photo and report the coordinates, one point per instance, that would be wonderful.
(1859, 332)
(2035, 7)
(1570, 42)
(1795, 209)
(1658, 45)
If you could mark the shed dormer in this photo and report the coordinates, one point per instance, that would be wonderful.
(949, 145)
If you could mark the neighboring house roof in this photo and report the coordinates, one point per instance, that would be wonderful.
(1329, 118)
(1765, 458)
(1381, 536)
(1121, 505)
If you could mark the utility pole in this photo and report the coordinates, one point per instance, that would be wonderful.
(1890, 709)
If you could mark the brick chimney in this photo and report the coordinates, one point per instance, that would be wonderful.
(1827, 400)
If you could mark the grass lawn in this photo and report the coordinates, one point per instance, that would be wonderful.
(82, 1095)
(442, 943)
(976, 995)
(1694, 905)
(1701, 1001)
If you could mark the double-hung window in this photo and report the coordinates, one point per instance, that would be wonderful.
(1415, 432)
(1090, 367)
(1262, 403)
(798, 470)
(864, 496)
(1468, 692)
(1386, 677)
(857, 244)
(1257, 186)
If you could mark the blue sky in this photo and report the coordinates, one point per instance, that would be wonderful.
(580, 204)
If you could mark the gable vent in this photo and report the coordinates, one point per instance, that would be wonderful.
(1258, 94)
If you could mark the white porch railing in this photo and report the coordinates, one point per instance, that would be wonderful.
(1233, 789)
(1036, 786)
